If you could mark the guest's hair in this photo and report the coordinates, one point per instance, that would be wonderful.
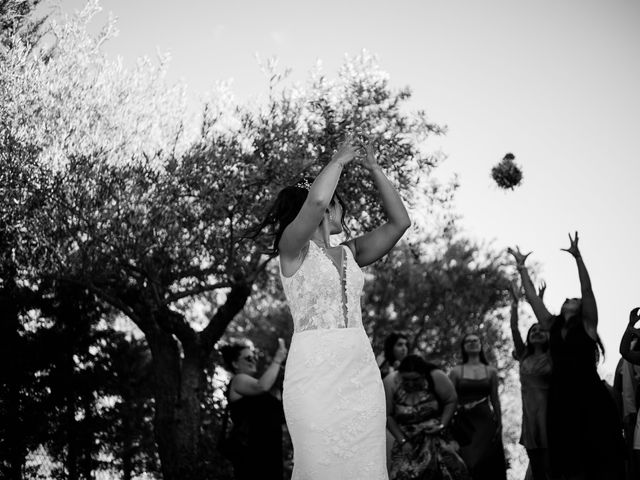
(284, 210)
(390, 342)
(598, 347)
(231, 353)
(416, 364)
(465, 355)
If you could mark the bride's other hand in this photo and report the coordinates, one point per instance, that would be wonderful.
(346, 151)
(370, 161)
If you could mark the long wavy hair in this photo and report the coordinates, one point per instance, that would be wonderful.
(465, 355)
(231, 353)
(598, 348)
(284, 210)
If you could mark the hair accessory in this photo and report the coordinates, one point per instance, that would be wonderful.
(304, 183)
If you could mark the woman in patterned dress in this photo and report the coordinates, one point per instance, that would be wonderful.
(420, 403)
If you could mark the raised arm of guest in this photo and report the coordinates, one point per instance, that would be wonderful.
(589, 307)
(244, 383)
(375, 244)
(631, 356)
(518, 345)
(543, 315)
(629, 386)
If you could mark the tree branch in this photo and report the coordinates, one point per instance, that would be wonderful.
(195, 291)
(174, 323)
(224, 315)
(111, 300)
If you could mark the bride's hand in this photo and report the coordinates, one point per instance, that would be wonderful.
(346, 151)
(369, 161)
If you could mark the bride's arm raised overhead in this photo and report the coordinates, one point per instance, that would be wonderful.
(298, 233)
(375, 244)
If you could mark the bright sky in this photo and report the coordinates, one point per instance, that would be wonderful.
(554, 82)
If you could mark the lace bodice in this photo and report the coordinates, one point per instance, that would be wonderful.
(315, 292)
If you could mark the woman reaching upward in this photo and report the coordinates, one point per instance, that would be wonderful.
(583, 429)
(535, 375)
(333, 396)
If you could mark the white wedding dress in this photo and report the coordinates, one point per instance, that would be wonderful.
(333, 395)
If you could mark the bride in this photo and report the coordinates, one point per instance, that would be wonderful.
(333, 396)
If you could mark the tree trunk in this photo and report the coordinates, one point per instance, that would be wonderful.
(127, 439)
(14, 452)
(12, 458)
(179, 378)
(71, 426)
(178, 385)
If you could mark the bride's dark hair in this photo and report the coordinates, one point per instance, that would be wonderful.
(284, 210)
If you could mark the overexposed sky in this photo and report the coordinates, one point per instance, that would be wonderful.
(556, 82)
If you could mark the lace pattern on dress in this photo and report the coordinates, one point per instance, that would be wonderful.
(318, 304)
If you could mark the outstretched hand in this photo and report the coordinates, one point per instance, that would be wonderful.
(573, 247)
(370, 162)
(634, 317)
(281, 353)
(346, 151)
(518, 256)
(541, 290)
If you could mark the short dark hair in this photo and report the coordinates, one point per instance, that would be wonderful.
(416, 364)
(390, 342)
(231, 353)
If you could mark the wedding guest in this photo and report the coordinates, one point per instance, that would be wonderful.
(583, 429)
(256, 414)
(535, 377)
(476, 384)
(421, 401)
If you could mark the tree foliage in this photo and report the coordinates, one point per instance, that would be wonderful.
(113, 190)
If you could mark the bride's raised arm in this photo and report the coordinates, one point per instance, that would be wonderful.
(375, 244)
(298, 233)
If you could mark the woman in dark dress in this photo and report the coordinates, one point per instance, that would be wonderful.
(476, 384)
(583, 428)
(256, 414)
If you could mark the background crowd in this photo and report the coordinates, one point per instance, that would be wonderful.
(449, 425)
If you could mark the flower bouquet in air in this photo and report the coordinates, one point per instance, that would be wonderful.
(507, 174)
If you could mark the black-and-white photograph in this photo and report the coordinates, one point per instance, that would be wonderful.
(295, 240)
